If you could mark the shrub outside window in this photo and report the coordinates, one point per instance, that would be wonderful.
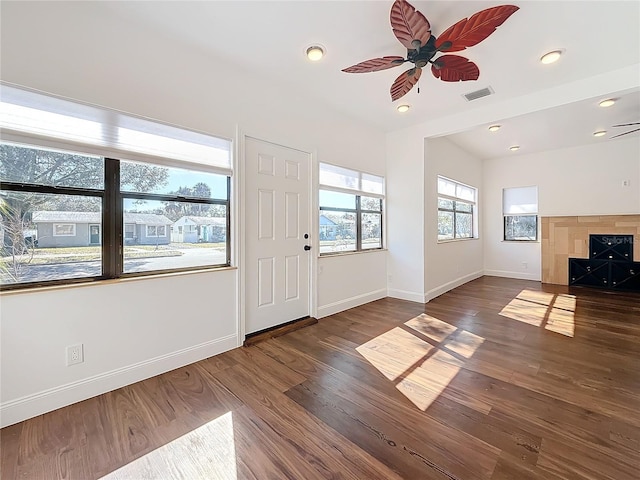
(456, 210)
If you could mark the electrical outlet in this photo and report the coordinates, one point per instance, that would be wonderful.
(626, 183)
(525, 265)
(75, 354)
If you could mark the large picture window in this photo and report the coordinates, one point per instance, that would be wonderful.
(456, 210)
(350, 210)
(87, 203)
(520, 212)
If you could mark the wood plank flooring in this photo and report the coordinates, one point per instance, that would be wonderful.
(497, 379)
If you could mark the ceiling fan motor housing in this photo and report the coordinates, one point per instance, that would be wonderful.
(421, 56)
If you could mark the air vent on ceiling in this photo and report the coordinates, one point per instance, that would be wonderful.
(483, 92)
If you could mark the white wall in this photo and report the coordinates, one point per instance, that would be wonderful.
(135, 329)
(449, 264)
(405, 215)
(346, 281)
(583, 180)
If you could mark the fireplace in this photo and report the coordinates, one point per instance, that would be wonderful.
(610, 264)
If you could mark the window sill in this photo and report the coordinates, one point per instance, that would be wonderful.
(359, 252)
(458, 240)
(520, 241)
(111, 281)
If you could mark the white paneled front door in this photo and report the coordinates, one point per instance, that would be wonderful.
(277, 282)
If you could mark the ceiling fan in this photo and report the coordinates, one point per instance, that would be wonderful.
(413, 30)
(627, 125)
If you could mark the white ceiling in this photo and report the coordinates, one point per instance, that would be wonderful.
(268, 39)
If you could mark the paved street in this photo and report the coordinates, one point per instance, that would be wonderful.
(192, 257)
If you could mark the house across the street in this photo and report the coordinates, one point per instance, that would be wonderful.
(192, 229)
(82, 229)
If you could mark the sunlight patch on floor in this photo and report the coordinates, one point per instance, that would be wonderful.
(422, 359)
(554, 312)
(207, 452)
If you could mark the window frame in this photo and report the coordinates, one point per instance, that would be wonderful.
(358, 211)
(525, 205)
(504, 227)
(455, 200)
(113, 239)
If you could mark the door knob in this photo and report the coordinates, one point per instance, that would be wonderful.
(307, 247)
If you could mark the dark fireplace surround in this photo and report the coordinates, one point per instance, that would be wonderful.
(610, 264)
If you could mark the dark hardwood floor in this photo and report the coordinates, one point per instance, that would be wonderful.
(497, 379)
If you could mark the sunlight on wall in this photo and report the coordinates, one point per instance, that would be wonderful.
(206, 452)
(423, 358)
(555, 312)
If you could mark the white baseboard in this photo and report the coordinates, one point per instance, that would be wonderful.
(15, 411)
(346, 304)
(518, 275)
(407, 295)
(436, 292)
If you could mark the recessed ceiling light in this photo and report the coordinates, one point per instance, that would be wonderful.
(551, 57)
(600, 133)
(403, 108)
(514, 148)
(607, 103)
(494, 128)
(315, 53)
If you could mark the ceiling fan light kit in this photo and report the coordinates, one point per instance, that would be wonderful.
(514, 148)
(600, 133)
(494, 128)
(403, 108)
(607, 103)
(315, 53)
(413, 30)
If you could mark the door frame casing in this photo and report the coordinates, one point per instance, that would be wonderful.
(241, 219)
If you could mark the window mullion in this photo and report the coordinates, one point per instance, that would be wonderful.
(358, 224)
(455, 218)
(112, 221)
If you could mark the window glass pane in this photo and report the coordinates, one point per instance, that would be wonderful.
(337, 200)
(51, 168)
(152, 244)
(464, 225)
(445, 225)
(369, 203)
(334, 176)
(372, 184)
(463, 207)
(337, 231)
(371, 230)
(49, 237)
(466, 193)
(444, 203)
(147, 178)
(99, 128)
(523, 227)
(446, 187)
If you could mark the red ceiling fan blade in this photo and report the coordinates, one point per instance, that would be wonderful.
(404, 83)
(375, 64)
(471, 31)
(453, 68)
(409, 24)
